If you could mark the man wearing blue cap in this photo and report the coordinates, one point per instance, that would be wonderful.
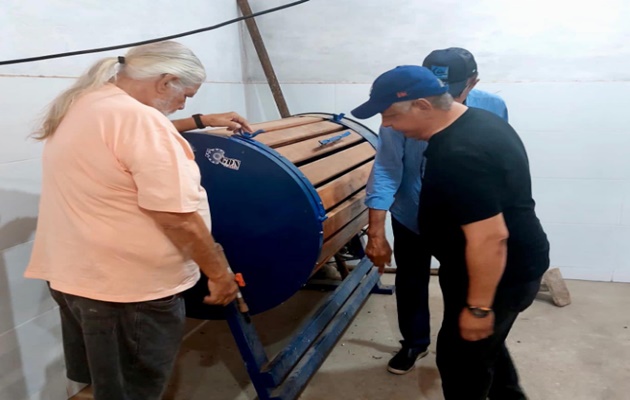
(477, 218)
(394, 186)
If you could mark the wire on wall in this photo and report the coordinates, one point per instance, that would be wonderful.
(122, 46)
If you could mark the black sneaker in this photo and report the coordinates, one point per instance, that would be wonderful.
(405, 360)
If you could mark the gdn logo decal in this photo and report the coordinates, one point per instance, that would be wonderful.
(217, 156)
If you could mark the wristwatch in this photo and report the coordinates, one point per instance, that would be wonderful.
(479, 312)
(198, 122)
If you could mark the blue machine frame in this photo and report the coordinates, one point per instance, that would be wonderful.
(284, 377)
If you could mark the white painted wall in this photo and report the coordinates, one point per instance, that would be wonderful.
(31, 358)
(561, 66)
(558, 64)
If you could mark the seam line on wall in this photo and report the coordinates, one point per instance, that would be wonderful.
(75, 77)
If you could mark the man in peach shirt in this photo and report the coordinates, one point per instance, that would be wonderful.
(124, 224)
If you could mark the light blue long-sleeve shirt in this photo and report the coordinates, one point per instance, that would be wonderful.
(394, 182)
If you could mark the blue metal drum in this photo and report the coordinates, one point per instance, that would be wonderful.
(283, 200)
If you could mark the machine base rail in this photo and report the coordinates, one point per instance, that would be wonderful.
(284, 377)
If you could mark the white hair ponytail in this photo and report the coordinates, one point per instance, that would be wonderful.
(140, 63)
(100, 73)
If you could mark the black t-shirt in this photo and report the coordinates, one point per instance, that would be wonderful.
(475, 169)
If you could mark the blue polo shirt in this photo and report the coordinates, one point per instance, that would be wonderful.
(394, 182)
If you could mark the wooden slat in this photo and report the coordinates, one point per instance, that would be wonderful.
(273, 125)
(283, 137)
(344, 212)
(338, 240)
(335, 191)
(302, 151)
(321, 170)
(285, 123)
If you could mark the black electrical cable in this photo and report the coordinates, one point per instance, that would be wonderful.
(122, 46)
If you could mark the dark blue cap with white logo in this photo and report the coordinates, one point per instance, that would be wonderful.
(453, 66)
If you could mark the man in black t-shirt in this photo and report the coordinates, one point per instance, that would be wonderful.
(477, 217)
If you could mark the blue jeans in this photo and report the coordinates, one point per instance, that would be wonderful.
(125, 350)
(413, 271)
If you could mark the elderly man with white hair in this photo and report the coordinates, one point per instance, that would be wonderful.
(124, 225)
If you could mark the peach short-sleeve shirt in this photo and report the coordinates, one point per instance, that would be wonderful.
(110, 158)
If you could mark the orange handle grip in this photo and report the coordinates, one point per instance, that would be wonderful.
(240, 281)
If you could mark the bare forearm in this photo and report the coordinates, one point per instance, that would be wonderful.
(485, 261)
(230, 120)
(376, 226)
(185, 124)
(189, 233)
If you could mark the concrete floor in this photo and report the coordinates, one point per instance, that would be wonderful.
(580, 352)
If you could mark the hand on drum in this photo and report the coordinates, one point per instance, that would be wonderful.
(231, 120)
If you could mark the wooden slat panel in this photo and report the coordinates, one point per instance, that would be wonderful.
(285, 123)
(302, 151)
(335, 191)
(321, 170)
(273, 125)
(344, 212)
(287, 136)
(337, 241)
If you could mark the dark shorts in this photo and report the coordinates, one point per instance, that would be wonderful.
(126, 351)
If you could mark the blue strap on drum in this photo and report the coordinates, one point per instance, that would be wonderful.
(333, 139)
(249, 135)
(338, 117)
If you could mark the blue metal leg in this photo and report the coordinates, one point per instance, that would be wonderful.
(288, 373)
(380, 288)
(252, 350)
(286, 359)
(316, 354)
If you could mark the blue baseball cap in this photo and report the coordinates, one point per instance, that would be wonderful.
(403, 83)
